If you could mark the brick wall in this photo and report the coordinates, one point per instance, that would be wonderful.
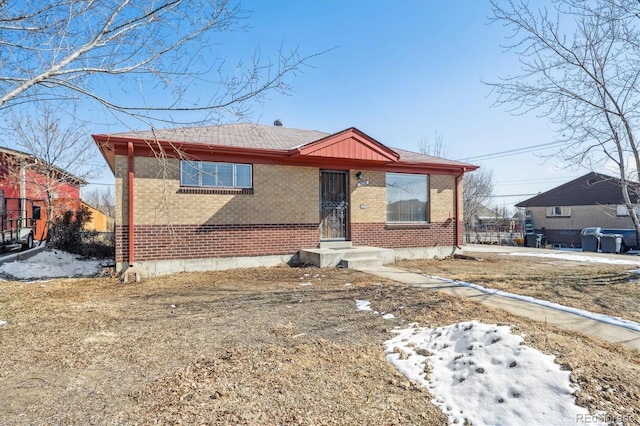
(369, 202)
(282, 194)
(441, 197)
(280, 216)
(155, 242)
(398, 236)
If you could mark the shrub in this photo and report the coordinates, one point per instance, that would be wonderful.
(68, 234)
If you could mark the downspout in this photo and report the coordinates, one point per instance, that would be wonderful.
(130, 201)
(456, 201)
(23, 194)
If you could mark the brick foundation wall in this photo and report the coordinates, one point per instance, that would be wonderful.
(156, 242)
(399, 236)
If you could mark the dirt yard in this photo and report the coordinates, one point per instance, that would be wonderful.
(278, 346)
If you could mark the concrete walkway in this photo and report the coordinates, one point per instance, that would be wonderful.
(604, 331)
(20, 255)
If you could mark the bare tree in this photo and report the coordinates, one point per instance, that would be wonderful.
(55, 50)
(60, 155)
(478, 188)
(102, 199)
(158, 61)
(580, 69)
(435, 148)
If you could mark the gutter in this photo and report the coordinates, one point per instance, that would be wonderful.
(456, 228)
(130, 201)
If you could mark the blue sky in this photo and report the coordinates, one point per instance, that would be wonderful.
(401, 71)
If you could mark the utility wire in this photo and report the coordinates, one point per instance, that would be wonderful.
(510, 152)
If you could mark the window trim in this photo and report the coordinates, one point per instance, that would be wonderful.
(565, 211)
(186, 188)
(409, 223)
(621, 210)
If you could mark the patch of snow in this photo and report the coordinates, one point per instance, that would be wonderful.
(483, 374)
(577, 258)
(305, 284)
(388, 316)
(51, 264)
(363, 305)
(631, 325)
(2, 323)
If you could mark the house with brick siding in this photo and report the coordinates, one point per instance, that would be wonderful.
(242, 195)
(592, 200)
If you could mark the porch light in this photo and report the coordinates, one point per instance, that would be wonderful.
(359, 175)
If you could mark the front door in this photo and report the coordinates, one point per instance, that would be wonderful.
(333, 205)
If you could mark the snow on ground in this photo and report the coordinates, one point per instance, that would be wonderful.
(631, 325)
(578, 258)
(363, 305)
(479, 372)
(483, 374)
(51, 264)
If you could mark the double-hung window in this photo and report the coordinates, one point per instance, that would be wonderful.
(559, 211)
(407, 198)
(215, 175)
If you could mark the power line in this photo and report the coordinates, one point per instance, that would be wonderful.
(537, 180)
(510, 152)
(100, 183)
(513, 195)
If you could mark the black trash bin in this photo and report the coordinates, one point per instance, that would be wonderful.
(532, 240)
(611, 243)
(590, 238)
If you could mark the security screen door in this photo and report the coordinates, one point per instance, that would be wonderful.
(333, 205)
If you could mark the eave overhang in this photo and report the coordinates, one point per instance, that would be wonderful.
(348, 149)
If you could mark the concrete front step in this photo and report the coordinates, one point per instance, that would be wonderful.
(326, 257)
(361, 262)
(336, 244)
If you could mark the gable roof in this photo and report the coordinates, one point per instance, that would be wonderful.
(276, 143)
(350, 144)
(590, 189)
(240, 135)
(68, 177)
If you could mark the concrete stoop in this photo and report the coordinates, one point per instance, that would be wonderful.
(343, 254)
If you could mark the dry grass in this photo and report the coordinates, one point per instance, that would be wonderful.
(248, 347)
(597, 287)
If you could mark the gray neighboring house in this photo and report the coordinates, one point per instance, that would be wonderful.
(593, 200)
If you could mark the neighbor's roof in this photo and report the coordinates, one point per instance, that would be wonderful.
(590, 189)
(19, 154)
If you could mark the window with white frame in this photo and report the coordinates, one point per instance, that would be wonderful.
(621, 210)
(559, 211)
(407, 197)
(215, 175)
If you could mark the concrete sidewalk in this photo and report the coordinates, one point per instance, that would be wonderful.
(604, 331)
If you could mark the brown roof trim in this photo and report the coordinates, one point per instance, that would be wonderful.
(335, 150)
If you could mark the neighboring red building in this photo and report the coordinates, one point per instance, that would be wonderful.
(23, 190)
